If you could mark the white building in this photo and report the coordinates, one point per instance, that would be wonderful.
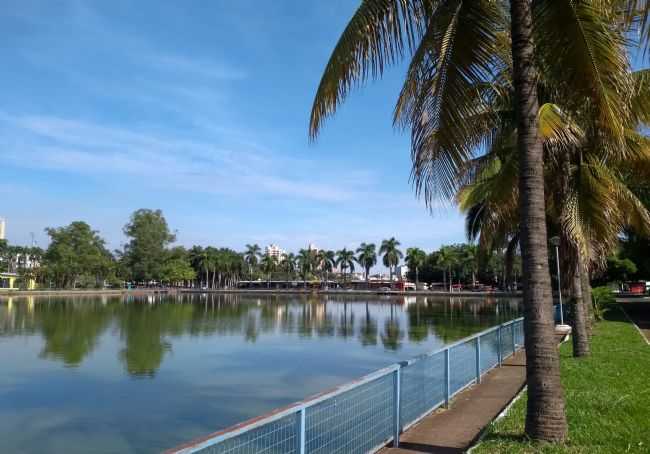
(401, 272)
(312, 247)
(3, 226)
(276, 252)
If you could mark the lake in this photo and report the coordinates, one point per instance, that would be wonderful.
(144, 373)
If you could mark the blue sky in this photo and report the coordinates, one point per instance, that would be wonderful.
(199, 109)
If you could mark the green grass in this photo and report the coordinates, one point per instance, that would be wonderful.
(607, 395)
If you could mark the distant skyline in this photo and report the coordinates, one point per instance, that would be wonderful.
(200, 110)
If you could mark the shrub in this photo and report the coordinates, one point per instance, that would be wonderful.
(602, 298)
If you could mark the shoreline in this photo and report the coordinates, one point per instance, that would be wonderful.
(109, 292)
(175, 291)
(355, 292)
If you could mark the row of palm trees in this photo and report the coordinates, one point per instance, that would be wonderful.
(526, 113)
(310, 262)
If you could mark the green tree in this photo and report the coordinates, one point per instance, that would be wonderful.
(326, 262)
(345, 261)
(268, 264)
(76, 251)
(4, 255)
(288, 264)
(415, 258)
(391, 254)
(447, 260)
(149, 237)
(177, 270)
(251, 256)
(367, 258)
(306, 263)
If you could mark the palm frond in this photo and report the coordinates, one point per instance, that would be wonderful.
(447, 85)
(585, 55)
(378, 35)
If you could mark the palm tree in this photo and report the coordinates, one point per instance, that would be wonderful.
(251, 255)
(306, 263)
(587, 187)
(391, 255)
(288, 264)
(452, 57)
(204, 265)
(447, 259)
(367, 258)
(268, 264)
(415, 258)
(327, 262)
(345, 260)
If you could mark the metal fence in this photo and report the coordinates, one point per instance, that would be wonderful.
(365, 415)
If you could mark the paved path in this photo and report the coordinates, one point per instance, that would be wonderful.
(456, 429)
(639, 313)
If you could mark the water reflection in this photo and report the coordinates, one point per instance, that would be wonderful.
(147, 325)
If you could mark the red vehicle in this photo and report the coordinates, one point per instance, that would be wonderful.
(638, 288)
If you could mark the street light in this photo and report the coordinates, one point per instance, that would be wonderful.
(555, 241)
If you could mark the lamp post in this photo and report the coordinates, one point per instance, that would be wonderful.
(555, 241)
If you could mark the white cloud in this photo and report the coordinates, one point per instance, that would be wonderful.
(195, 165)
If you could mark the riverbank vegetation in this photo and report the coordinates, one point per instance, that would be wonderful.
(77, 257)
(607, 398)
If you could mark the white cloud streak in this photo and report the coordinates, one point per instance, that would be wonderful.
(60, 144)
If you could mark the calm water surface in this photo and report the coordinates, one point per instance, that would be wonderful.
(141, 374)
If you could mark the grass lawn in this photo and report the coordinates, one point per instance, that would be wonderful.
(607, 395)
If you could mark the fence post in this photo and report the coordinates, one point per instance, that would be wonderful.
(396, 415)
(478, 359)
(514, 341)
(447, 378)
(300, 431)
(499, 350)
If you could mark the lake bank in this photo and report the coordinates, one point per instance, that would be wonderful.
(153, 291)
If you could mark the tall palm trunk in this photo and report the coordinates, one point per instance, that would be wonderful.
(545, 417)
(586, 299)
(510, 262)
(580, 336)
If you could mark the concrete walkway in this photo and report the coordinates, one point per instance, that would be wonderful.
(456, 429)
(639, 314)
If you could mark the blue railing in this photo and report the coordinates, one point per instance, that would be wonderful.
(365, 415)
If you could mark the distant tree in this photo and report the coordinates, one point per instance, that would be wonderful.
(415, 258)
(306, 263)
(391, 254)
(618, 270)
(268, 264)
(288, 264)
(448, 259)
(4, 255)
(149, 236)
(326, 262)
(251, 256)
(345, 260)
(367, 258)
(177, 270)
(76, 251)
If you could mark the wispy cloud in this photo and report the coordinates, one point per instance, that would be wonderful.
(67, 145)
